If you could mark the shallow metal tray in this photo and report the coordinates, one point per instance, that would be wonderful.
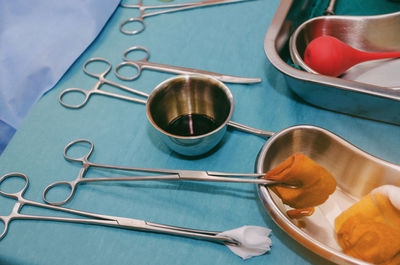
(352, 97)
(356, 173)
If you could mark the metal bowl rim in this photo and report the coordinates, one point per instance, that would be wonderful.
(188, 76)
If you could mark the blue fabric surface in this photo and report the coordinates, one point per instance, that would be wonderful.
(225, 39)
(38, 43)
(6, 133)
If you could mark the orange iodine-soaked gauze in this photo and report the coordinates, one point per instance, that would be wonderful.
(313, 183)
(370, 229)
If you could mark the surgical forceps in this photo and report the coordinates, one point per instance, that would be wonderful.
(96, 88)
(170, 174)
(141, 64)
(98, 219)
(172, 8)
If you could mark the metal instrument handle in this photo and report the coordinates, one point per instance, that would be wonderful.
(330, 10)
(70, 184)
(86, 94)
(172, 8)
(17, 196)
(139, 65)
(96, 88)
(166, 174)
(175, 230)
(121, 222)
(248, 129)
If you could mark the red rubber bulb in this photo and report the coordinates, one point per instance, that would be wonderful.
(329, 56)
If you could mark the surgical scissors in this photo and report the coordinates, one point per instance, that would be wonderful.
(98, 219)
(170, 174)
(172, 8)
(96, 88)
(145, 64)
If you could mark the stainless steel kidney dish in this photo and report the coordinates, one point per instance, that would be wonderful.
(361, 92)
(355, 171)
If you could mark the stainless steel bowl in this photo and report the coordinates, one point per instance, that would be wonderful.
(353, 97)
(355, 171)
(179, 105)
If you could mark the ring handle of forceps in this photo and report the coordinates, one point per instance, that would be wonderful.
(86, 93)
(84, 158)
(16, 195)
(70, 184)
(97, 59)
(139, 20)
(131, 63)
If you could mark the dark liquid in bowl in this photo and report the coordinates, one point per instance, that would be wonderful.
(191, 125)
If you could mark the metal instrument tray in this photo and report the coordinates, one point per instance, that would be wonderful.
(357, 97)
